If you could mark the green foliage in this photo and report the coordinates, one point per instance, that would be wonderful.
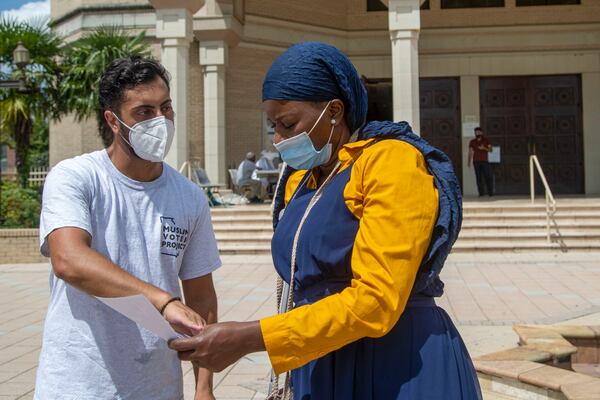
(19, 207)
(38, 156)
(85, 61)
(43, 73)
(18, 111)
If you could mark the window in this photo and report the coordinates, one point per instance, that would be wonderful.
(546, 2)
(472, 3)
(425, 5)
(376, 5)
(3, 157)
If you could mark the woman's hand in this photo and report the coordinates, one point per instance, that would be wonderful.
(220, 345)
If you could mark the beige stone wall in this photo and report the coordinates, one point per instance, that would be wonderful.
(435, 17)
(360, 19)
(20, 246)
(69, 138)
(196, 108)
(59, 8)
(245, 73)
(330, 14)
(339, 14)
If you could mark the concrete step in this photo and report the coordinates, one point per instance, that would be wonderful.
(536, 224)
(244, 249)
(238, 220)
(499, 225)
(241, 211)
(233, 238)
(466, 246)
(574, 216)
(243, 229)
(528, 206)
(511, 236)
(459, 247)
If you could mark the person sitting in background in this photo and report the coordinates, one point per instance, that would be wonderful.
(244, 178)
(265, 163)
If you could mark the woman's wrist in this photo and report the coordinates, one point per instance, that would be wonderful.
(252, 338)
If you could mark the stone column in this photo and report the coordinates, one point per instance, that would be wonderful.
(404, 25)
(174, 27)
(213, 59)
(590, 87)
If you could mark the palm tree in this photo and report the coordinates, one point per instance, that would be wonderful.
(19, 110)
(85, 61)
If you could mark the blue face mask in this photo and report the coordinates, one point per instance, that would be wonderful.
(299, 151)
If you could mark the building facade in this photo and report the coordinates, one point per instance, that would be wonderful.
(526, 71)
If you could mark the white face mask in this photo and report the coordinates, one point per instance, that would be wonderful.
(150, 139)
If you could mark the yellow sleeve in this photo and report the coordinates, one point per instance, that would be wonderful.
(393, 195)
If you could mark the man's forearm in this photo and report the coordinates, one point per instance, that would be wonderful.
(91, 272)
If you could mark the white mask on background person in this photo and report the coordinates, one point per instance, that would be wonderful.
(150, 139)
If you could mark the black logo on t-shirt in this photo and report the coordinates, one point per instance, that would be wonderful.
(173, 237)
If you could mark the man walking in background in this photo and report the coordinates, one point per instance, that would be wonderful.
(479, 148)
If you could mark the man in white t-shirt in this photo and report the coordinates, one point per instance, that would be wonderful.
(120, 222)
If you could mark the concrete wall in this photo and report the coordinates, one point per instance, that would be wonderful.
(331, 14)
(69, 138)
(196, 114)
(59, 8)
(510, 15)
(20, 246)
(245, 73)
(590, 84)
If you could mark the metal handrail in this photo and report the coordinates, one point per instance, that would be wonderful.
(550, 201)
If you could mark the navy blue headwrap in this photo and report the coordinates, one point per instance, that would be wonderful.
(447, 225)
(313, 71)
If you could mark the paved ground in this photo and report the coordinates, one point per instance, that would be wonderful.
(485, 294)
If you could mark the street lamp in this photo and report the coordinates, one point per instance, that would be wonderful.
(21, 58)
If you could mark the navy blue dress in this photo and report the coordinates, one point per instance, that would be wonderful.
(422, 357)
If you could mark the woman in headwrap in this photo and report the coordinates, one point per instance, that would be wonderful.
(362, 230)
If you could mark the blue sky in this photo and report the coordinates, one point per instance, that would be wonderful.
(12, 4)
(25, 9)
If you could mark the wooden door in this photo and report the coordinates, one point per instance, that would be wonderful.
(535, 115)
(440, 117)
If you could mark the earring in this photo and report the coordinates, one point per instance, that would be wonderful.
(333, 122)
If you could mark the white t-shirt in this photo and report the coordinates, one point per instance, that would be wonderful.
(158, 231)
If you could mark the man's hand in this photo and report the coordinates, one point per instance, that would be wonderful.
(183, 319)
(221, 344)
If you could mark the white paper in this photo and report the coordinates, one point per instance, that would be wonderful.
(138, 309)
(494, 155)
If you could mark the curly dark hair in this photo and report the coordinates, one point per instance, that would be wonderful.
(123, 74)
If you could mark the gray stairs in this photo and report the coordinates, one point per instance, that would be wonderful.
(497, 225)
